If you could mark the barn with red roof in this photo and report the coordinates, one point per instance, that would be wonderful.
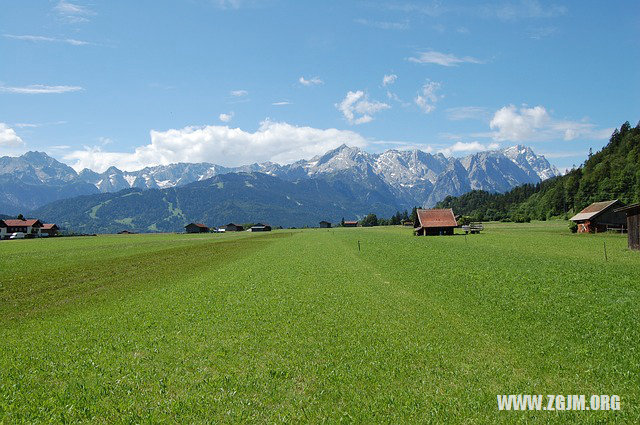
(435, 222)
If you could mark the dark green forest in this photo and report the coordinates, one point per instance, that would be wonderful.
(612, 173)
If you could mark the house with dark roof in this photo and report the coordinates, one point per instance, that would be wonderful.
(600, 216)
(259, 227)
(196, 228)
(231, 227)
(435, 222)
(633, 224)
(325, 224)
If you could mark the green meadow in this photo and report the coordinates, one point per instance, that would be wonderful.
(299, 326)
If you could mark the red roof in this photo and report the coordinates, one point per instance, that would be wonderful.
(350, 222)
(437, 218)
(200, 225)
(20, 223)
(48, 226)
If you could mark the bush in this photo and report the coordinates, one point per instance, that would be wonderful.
(573, 226)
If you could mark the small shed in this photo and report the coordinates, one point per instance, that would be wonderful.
(407, 223)
(599, 217)
(49, 229)
(231, 227)
(350, 224)
(259, 227)
(196, 228)
(633, 224)
(325, 224)
(436, 222)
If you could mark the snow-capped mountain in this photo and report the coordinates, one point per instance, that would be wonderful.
(413, 177)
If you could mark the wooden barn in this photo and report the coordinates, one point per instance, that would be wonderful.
(350, 224)
(436, 222)
(231, 227)
(325, 224)
(196, 228)
(49, 229)
(599, 217)
(633, 224)
(259, 227)
(407, 223)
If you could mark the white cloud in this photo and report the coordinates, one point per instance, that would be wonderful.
(467, 147)
(387, 80)
(535, 124)
(226, 117)
(39, 38)
(273, 141)
(404, 25)
(444, 59)
(427, 97)
(282, 103)
(9, 138)
(239, 93)
(357, 108)
(39, 89)
(73, 13)
(467, 113)
(314, 81)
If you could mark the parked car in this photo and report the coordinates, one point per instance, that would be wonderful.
(17, 235)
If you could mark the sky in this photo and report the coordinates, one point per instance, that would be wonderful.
(139, 83)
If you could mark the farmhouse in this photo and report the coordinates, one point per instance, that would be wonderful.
(196, 228)
(633, 224)
(436, 222)
(231, 227)
(49, 229)
(3, 229)
(259, 227)
(28, 227)
(600, 216)
(350, 224)
(325, 224)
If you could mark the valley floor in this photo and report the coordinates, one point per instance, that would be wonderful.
(300, 326)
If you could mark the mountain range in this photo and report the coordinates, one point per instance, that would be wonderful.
(402, 178)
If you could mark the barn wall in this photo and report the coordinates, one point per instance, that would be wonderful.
(612, 218)
(633, 225)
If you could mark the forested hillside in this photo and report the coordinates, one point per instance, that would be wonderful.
(612, 173)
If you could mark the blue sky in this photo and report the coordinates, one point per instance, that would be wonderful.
(96, 83)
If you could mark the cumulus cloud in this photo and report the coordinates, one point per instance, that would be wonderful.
(239, 93)
(273, 141)
(73, 13)
(357, 108)
(427, 97)
(9, 138)
(39, 38)
(313, 81)
(536, 124)
(226, 117)
(39, 89)
(467, 147)
(444, 59)
(387, 80)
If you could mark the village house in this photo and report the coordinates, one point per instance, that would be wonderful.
(436, 222)
(599, 217)
(231, 227)
(3, 229)
(350, 224)
(28, 227)
(259, 227)
(196, 228)
(325, 224)
(633, 224)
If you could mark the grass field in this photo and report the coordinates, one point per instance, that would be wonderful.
(299, 326)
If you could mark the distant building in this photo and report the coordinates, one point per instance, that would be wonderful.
(350, 224)
(633, 224)
(231, 227)
(28, 227)
(196, 228)
(407, 223)
(325, 224)
(600, 216)
(128, 232)
(259, 227)
(49, 229)
(436, 222)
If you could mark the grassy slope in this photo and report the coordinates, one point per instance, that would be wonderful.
(302, 327)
